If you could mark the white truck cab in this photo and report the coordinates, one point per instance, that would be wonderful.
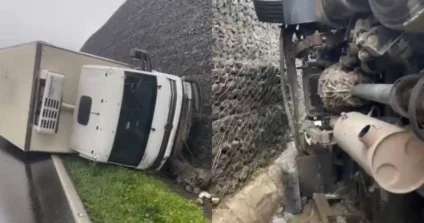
(128, 117)
(104, 110)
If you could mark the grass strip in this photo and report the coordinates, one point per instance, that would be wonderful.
(120, 195)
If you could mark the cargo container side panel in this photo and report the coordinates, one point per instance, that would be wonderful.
(16, 86)
(69, 64)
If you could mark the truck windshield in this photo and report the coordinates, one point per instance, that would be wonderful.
(135, 119)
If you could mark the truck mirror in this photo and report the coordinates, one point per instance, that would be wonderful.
(142, 58)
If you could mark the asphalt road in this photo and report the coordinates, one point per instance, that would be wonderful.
(30, 190)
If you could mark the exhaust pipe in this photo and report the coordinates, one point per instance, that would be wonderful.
(393, 156)
(373, 92)
(396, 95)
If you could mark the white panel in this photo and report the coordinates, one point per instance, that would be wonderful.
(16, 81)
(104, 86)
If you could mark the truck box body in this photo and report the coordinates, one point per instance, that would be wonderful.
(20, 70)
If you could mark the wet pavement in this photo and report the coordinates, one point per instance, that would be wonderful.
(30, 190)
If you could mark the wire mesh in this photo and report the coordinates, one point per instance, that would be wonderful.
(248, 122)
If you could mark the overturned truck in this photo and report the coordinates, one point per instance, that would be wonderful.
(60, 101)
(356, 66)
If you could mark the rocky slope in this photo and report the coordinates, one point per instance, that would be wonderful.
(176, 33)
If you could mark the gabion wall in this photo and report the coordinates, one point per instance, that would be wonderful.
(248, 122)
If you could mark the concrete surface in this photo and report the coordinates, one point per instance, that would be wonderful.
(77, 208)
(259, 200)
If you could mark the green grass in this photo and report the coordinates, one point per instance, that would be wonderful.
(120, 195)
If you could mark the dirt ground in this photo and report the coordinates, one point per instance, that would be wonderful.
(309, 215)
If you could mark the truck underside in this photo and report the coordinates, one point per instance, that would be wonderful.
(359, 64)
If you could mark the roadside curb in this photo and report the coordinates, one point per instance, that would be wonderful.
(78, 211)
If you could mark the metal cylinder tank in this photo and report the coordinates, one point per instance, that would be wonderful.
(393, 156)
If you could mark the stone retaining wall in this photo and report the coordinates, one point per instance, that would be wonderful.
(249, 126)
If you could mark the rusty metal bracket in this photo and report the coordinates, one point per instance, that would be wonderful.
(328, 215)
(308, 42)
(318, 136)
(326, 40)
(318, 133)
(378, 40)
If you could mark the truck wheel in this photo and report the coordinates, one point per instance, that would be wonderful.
(270, 11)
(401, 14)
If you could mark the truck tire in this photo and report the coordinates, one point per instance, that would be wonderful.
(398, 14)
(270, 11)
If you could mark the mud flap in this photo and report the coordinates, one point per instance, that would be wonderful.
(315, 174)
(292, 200)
